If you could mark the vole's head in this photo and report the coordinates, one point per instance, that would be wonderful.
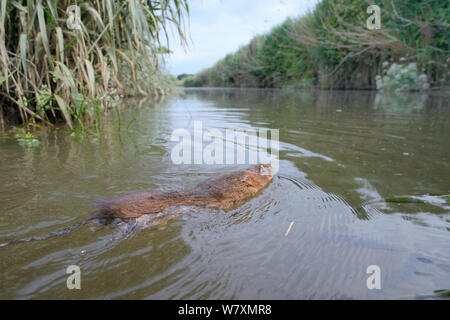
(258, 176)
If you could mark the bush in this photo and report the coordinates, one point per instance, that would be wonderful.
(397, 77)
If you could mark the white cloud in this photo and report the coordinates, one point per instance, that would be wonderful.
(219, 27)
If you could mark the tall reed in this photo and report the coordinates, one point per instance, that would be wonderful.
(332, 47)
(54, 65)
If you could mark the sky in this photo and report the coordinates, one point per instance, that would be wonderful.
(219, 27)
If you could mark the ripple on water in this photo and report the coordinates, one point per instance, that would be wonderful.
(242, 253)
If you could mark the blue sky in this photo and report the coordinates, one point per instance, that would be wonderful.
(219, 27)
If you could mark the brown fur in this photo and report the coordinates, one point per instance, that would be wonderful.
(224, 191)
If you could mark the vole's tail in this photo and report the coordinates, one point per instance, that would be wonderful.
(50, 235)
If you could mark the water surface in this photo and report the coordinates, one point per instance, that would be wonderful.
(340, 154)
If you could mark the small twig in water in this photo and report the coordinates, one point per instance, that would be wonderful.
(289, 229)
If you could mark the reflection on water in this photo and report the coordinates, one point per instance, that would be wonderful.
(391, 102)
(340, 154)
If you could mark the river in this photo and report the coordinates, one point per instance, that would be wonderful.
(313, 233)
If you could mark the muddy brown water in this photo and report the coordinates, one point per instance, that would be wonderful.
(340, 154)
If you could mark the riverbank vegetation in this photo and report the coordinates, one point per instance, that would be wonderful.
(71, 60)
(331, 47)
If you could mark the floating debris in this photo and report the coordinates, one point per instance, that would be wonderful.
(442, 199)
(289, 229)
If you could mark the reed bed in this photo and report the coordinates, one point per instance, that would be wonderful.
(332, 47)
(58, 64)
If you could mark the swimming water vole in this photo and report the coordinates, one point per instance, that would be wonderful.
(224, 191)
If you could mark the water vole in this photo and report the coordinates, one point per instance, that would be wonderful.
(224, 191)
